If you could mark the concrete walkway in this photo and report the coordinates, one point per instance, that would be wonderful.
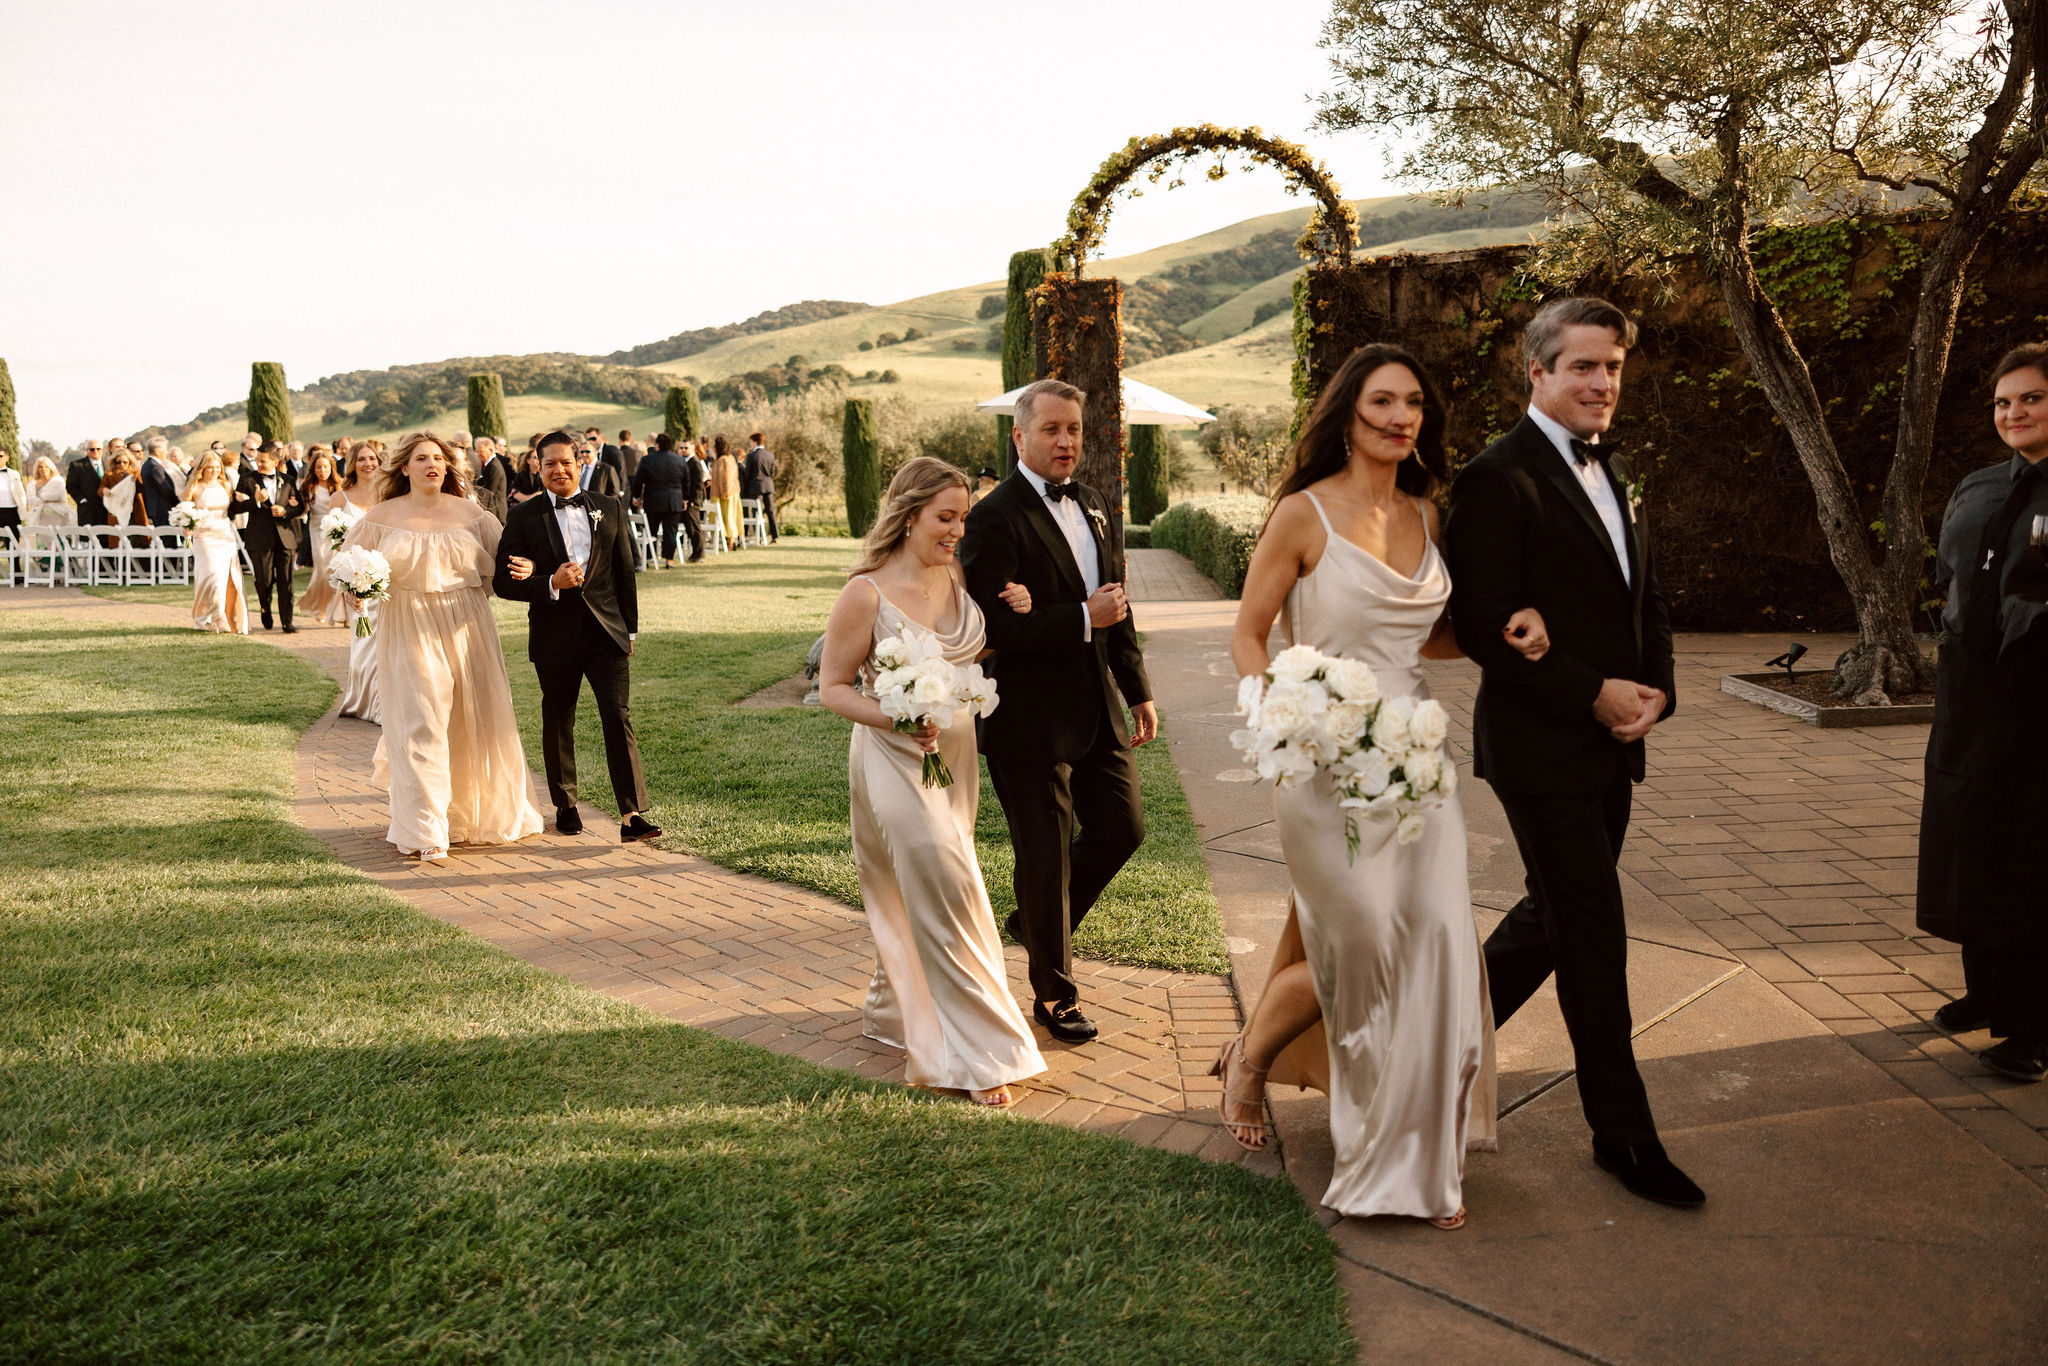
(1874, 1194)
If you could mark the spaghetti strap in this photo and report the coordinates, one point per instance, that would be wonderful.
(1311, 495)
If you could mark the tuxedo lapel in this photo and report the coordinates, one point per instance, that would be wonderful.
(553, 529)
(1543, 458)
(1040, 518)
(1620, 474)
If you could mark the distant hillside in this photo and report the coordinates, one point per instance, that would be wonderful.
(1203, 318)
(684, 344)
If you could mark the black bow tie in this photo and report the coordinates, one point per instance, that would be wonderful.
(1586, 452)
(575, 502)
(1059, 491)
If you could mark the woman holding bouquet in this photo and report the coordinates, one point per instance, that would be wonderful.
(450, 751)
(217, 600)
(358, 496)
(321, 493)
(1377, 994)
(939, 991)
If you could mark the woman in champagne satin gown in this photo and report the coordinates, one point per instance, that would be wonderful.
(940, 991)
(321, 493)
(217, 600)
(450, 753)
(1377, 994)
(359, 698)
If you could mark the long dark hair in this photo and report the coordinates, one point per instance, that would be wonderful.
(1321, 450)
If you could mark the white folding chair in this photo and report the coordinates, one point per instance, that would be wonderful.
(42, 560)
(753, 522)
(10, 557)
(173, 556)
(712, 519)
(643, 537)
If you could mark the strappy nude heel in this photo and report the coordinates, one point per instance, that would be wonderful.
(1452, 1224)
(987, 1100)
(1234, 1050)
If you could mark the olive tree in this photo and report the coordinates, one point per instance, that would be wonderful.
(1664, 127)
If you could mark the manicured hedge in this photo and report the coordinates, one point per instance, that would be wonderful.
(1137, 537)
(1217, 533)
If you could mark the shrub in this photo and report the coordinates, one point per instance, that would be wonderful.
(10, 432)
(487, 406)
(867, 346)
(891, 377)
(681, 418)
(334, 413)
(1137, 537)
(961, 439)
(992, 306)
(860, 449)
(1216, 533)
(966, 344)
(888, 339)
(995, 341)
(1147, 471)
(913, 334)
(270, 401)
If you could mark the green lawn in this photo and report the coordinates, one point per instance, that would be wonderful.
(256, 1108)
(764, 791)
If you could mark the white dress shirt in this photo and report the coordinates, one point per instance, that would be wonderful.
(1072, 520)
(576, 538)
(1592, 477)
(13, 493)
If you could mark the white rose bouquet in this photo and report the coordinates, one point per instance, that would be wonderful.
(336, 525)
(1384, 756)
(365, 573)
(916, 685)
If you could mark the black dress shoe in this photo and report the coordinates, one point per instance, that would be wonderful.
(2018, 1058)
(290, 629)
(568, 820)
(1014, 927)
(266, 624)
(1065, 1021)
(1647, 1172)
(638, 828)
(1964, 1014)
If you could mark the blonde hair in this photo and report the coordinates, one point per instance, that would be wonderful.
(35, 471)
(200, 478)
(395, 482)
(910, 492)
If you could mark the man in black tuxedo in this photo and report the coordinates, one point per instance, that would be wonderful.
(493, 477)
(82, 481)
(610, 456)
(568, 555)
(1058, 746)
(757, 480)
(630, 455)
(595, 476)
(668, 487)
(1547, 516)
(267, 496)
(159, 490)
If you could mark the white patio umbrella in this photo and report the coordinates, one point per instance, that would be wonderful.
(1144, 406)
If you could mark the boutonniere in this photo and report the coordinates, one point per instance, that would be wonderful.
(596, 516)
(1101, 520)
(1634, 489)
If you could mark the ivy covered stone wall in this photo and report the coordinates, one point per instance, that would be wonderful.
(1739, 546)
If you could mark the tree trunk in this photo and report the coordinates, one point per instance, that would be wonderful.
(1886, 657)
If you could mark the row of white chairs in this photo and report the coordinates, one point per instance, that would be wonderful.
(48, 556)
(753, 530)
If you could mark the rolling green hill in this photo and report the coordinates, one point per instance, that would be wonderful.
(1206, 318)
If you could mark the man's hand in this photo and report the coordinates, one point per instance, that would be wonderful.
(1106, 605)
(1144, 723)
(570, 575)
(276, 511)
(518, 566)
(1653, 708)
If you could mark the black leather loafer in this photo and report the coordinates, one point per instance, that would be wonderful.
(1013, 927)
(1963, 1015)
(2020, 1059)
(1647, 1172)
(568, 820)
(1065, 1021)
(638, 828)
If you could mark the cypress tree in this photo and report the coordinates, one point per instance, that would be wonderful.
(1147, 473)
(487, 406)
(682, 418)
(270, 402)
(10, 430)
(860, 446)
(1027, 270)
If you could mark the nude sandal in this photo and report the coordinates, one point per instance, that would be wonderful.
(1452, 1224)
(987, 1099)
(1234, 1050)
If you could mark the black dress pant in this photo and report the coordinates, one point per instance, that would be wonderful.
(2012, 983)
(272, 569)
(1572, 923)
(673, 527)
(768, 511)
(10, 520)
(1061, 871)
(561, 688)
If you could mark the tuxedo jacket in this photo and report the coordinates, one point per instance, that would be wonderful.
(82, 482)
(266, 531)
(1523, 533)
(665, 482)
(757, 474)
(1056, 691)
(604, 480)
(603, 614)
(615, 458)
(159, 491)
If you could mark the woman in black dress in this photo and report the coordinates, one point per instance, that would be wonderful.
(1986, 804)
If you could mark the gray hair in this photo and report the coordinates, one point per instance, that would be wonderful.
(1028, 396)
(1543, 338)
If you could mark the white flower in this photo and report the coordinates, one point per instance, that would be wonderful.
(1250, 689)
(1422, 769)
(891, 653)
(1352, 681)
(1390, 728)
(1283, 714)
(1368, 771)
(596, 516)
(1448, 783)
(1431, 724)
(1348, 721)
(930, 689)
(1285, 766)
(1296, 664)
(1410, 828)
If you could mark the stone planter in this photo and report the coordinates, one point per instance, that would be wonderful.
(1760, 689)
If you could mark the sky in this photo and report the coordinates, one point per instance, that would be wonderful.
(193, 185)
